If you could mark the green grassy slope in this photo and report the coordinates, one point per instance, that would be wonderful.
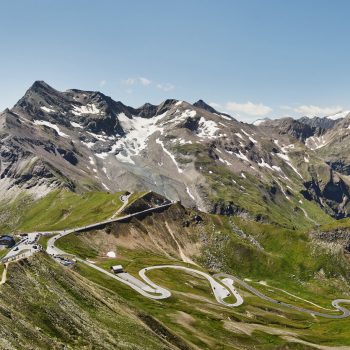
(288, 260)
(284, 257)
(44, 306)
(264, 199)
(60, 209)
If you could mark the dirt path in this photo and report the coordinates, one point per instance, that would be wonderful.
(184, 258)
(4, 275)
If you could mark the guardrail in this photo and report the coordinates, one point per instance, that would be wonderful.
(25, 254)
(21, 255)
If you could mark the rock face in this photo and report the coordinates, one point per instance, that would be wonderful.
(203, 105)
(84, 140)
(320, 125)
(331, 142)
(330, 190)
(70, 312)
(295, 128)
(339, 236)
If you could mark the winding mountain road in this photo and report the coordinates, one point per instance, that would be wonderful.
(52, 250)
(222, 284)
(335, 303)
(220, 291)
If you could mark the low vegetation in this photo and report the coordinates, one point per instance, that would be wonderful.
(60, 209)
(55, 308)
(277, 261)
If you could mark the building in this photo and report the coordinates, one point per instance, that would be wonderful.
(6, 241)
(117, 269)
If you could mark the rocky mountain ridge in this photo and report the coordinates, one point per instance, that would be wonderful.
(85, 140)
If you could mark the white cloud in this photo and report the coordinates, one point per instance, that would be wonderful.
(102, 83)
(287, 108)
(142, 81)
(215, 105)
(145, 81)
(248, 108)
(166, 87)
(137, 81)
(312, 111)
(129, 81)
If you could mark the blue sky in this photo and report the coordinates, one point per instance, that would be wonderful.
(252, 58)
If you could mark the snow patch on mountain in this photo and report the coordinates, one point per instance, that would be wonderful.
(282, 189)
(315, 142)
(102, 137)
(249, 136)
(277, 168)
(260, 121)
(160, 142)
(287, 160)
(90, 108)
(245, 133)
(124, 157)
(88, 144)
(223, 116)
(76, 125)
(138, 130)
(207, 129)
(188, 113)
(48, 110)
(190, 194)
(224, 161)
(263, 164)
(102, 155)
(184, 142)
(52, 126)
(252, 139)
(338, 115)
(239, 135)
(240, 155)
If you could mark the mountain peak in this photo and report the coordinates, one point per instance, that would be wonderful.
(41, 85)
(203, 105)
(260, 121)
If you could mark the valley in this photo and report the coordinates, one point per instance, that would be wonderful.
(140, 260)
(224, 235)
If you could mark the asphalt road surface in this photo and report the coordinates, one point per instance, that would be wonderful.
(222, 284)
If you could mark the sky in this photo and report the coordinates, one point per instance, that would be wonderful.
(250, 58)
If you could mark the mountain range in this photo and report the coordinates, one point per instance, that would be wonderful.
(84, 140)
(205, 204)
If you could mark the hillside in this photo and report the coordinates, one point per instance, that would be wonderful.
(222, 234)
(85, 141)
(255, 252)
(44, 306)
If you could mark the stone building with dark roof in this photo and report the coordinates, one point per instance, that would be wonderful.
(6, 241)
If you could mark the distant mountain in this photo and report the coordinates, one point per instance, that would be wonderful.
(289, 126)
(203, 105)
(257, 202)
(84, 140)
(260, 121)
(333, 145)
(319, 124)
(339, 115)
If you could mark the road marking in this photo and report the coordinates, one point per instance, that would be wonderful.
(222, 288)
